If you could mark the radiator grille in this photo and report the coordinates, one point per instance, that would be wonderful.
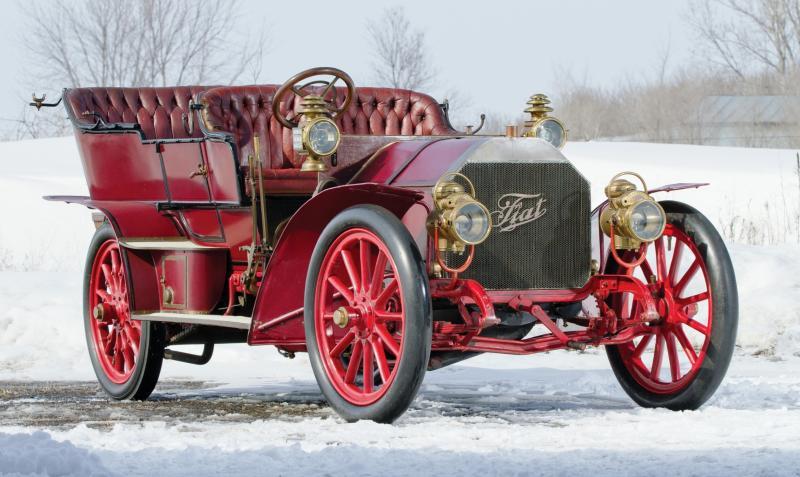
(533, 245)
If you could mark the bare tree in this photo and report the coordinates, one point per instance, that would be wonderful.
(142, 43)
(748, 36)
(400, 53)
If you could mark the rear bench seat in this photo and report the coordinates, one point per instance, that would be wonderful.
(243, 111)
(159, 112)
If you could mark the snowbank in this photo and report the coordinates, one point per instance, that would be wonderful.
(38, 454)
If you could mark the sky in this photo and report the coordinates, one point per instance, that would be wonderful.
(494, 53)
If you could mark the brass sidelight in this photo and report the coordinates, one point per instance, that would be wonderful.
(316, 135)
(632, 216)
(541, 124)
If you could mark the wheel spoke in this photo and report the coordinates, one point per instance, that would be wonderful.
(369, 369)
(387, 293)
(688, 349)
(352, 272)
(133, 337)
(384, 316)
(343, 344)
(103, 295)
(677, 254)
(119, 360)
(686, 277)
(111, 342)
(655, 369)
(364, 259)
(377, 273)
(127, 353)
(698, 326)
(115, 262)
(647, 270)
(661, 260)
(693, 299)
(380, 358)
(672, 355)
(639, 349)
(108, 275)
(387, 339)
(354, 364)
(341, 288)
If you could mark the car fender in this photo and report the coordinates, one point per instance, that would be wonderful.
(664, 188)
(278, 309)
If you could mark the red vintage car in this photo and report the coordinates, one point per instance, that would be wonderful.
(356, 224)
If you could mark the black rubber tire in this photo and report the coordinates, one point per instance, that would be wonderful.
(151, 349)
(417, 302)
(725, 317)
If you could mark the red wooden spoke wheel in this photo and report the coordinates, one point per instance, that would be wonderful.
(116, 337)
(368, 315)
(665, 360)
(359, 318)
(682, 359)
(126, 354)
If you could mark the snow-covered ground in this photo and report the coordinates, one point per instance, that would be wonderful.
(554, 414)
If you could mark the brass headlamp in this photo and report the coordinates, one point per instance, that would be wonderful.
(632, 216)
(459, 219)
(316, 135)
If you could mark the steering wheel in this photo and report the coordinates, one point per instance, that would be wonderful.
(292, 84)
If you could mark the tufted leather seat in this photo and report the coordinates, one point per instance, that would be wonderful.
(243, 111)
(159, 112)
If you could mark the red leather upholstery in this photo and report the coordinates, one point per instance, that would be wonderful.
(244, 111)
(158, 111)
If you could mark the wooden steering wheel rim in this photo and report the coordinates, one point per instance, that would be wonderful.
(288, 85)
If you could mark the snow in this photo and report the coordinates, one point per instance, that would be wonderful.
(555, 414)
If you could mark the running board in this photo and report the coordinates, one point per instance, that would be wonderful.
(225, 321)
(156, 243)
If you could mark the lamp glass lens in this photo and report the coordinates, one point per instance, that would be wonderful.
(647, 220)
(552, 132)
(471, 223)
(323, 137)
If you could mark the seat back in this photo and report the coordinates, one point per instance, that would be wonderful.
(160, 112)
(245, 111)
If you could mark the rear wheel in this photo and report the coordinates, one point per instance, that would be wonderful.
(683, 358)
(126, 354)
(368, 315)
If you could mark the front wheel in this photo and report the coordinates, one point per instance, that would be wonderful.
(683, 358)
(126, 354)
(368, 315)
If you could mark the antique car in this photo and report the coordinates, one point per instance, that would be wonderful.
(356, 224)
